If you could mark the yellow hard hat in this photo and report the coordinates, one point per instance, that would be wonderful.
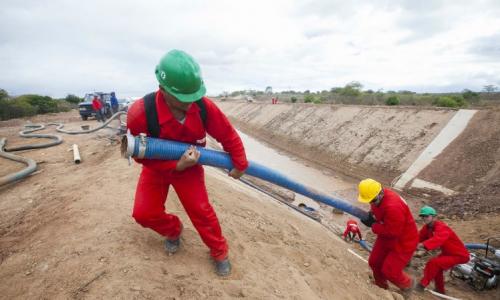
(368, 189)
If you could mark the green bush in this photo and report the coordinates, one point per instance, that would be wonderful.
(317, 100)
(44, 104)
(73, 99)
(293, 99)
(446, 101)
(16, 108)
(392, 100)
(459, 99)
(63, 105)
(470, 95)
(308, 98)
(3, 94)
(29, 105)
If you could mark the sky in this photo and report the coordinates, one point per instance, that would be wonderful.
(65, 47)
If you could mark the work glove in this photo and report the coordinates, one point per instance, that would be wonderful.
(369, 220)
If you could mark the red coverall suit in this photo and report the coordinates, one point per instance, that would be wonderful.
(96, 104)
(397, 239)
(352, 226)
(453, 252)
(158, 175)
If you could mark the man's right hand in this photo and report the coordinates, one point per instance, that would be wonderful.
(188, 159)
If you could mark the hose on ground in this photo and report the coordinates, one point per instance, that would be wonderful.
(105, 124)
(152, 148)
(30, 163)
(249, 183)
(27, 133)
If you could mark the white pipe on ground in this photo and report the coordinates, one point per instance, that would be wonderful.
(76, 154)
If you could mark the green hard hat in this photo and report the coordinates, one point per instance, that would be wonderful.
(427, 211)
(180, 75)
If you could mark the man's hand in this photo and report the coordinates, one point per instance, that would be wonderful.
(236, 174)
(369, 220)
(188, 159)
(421, 246)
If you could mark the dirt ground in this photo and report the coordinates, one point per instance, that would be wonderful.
(471, 163)
(67, 232)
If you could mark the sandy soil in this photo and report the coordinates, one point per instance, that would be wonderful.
(67, 232)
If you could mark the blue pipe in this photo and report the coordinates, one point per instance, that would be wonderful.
(469, 246)
(472, 246)
(364, 244)
(152, 148)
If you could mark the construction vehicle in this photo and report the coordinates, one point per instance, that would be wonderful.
(85, 107)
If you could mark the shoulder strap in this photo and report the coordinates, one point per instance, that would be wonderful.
(203, 111)
(151, 114)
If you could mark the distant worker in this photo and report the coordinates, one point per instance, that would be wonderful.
(103, 107)
(273, 100)
(436, 234)
(114, 103)
(96, 106)
(351, 230)
(184, 114)
(397, 236)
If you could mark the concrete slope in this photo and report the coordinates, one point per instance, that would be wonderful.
(361, 140)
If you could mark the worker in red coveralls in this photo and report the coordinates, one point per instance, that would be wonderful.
(97, 106)
(351, 230)
(436, 234)
(397, 235)
(180, 119)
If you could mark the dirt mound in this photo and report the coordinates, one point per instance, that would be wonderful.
(67, 233)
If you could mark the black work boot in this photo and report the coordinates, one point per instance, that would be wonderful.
(171, 246)
(223, 267)
(419, 288)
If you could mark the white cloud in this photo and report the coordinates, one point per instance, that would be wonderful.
(59, 47)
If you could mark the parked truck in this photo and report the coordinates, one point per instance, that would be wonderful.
(86, 109)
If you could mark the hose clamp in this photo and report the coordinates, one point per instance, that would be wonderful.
(142, 145)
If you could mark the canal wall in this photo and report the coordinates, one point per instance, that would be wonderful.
(393, 144)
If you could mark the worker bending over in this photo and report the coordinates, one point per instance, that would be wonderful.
(436, 234)
(397, 237)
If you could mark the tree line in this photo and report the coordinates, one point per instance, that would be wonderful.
(30, 105)
(353, 93)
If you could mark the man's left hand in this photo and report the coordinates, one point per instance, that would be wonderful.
(369, 220)
(236, 174)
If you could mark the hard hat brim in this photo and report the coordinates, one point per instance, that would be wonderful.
(364, 200)
(188, 98)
